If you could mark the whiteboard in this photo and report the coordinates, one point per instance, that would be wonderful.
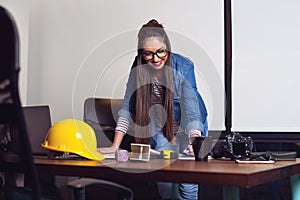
(266, 65)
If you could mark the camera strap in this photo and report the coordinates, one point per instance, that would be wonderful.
(273, 155)
(261, 156)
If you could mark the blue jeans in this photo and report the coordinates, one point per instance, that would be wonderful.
(185, 191)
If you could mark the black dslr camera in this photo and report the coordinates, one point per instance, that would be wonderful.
(235, 146)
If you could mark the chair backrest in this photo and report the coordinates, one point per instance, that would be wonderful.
(102, 111)
(102, 115)
(15, 150)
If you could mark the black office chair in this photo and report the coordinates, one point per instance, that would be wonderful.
(15, 151)
(101, 114)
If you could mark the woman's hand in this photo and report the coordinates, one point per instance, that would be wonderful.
(111, 149)
(189, 150)
(115, 146)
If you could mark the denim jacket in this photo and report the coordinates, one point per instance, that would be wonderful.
(189, 108)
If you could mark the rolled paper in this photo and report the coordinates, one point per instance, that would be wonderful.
(121, 155)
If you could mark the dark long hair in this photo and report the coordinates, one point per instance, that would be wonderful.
(144, 86)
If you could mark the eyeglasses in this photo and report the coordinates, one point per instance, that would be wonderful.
(160, 53)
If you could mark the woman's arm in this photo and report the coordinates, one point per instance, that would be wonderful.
(118, 137)
(194, 111)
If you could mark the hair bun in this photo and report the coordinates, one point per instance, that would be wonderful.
(153, 23)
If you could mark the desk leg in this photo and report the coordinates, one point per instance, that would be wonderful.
(295, 186)
(231, 193)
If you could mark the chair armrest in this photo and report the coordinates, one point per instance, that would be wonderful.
(79, 185)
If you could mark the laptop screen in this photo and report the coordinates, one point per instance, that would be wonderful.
(38, 122)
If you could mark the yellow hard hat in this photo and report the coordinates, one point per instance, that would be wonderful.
(73, 136)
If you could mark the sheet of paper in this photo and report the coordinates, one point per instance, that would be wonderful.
(255, 161)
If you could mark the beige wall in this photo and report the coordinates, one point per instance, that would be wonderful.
(85, 48)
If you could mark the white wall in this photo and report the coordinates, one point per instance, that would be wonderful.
(79, 49)
(19, 9)
(72, 49)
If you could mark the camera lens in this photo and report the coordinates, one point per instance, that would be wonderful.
(218, 149)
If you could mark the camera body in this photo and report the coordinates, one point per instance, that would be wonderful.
(235, 146)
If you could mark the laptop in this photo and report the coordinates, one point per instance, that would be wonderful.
(38, 122)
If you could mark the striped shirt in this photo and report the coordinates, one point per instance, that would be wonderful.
(157, 94)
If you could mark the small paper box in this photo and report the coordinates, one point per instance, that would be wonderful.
(140, 152)
(121, 155)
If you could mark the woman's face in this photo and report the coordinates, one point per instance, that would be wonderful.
(155, 52)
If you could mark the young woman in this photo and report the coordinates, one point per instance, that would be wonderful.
(161, 100)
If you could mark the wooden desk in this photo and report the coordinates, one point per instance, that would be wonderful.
(228, 174)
